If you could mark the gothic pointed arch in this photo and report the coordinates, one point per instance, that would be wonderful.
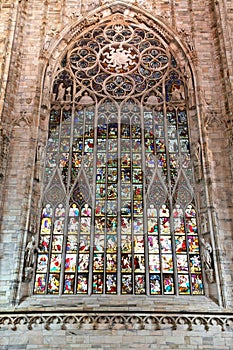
(119, 143)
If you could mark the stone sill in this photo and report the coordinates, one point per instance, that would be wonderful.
(124, 303)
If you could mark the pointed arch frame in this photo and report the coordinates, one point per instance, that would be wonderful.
(56, 49)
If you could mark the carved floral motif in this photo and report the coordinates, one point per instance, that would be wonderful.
(119, 58)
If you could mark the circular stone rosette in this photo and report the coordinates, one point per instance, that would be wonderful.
(119, 58)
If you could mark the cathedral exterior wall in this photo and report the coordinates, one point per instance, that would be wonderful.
(30, 33)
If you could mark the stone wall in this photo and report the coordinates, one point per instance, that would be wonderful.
(164, 339)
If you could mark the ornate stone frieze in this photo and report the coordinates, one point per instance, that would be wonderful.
(116, 320)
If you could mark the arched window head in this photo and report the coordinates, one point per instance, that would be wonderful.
(118, 215)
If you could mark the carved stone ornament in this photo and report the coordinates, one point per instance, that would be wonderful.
(163, 14)
(187, 38)
(210, 275)
(29, 259)
(214, 120)
(86, 100)
(4, 146)
(23, 120)
(120, 58)
(30, 253)
(197, 161)
(28, 274)
(207, 260)
(116, 320)
(152, 101)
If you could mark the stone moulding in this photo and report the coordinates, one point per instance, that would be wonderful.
(115, 320)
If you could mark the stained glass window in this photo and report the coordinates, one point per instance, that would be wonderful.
(118, 213)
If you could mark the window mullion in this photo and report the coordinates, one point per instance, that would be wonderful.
(144, 198)
(119, 200)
